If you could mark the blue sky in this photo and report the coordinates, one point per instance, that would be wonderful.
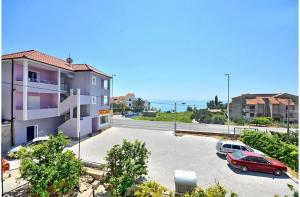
(166, 49)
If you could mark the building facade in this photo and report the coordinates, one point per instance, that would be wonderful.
(128, 100)
(277, 106)
(49, 94)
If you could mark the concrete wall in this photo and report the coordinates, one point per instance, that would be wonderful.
(46, 126)
(6, 90)
(81, 81)
(6, 137)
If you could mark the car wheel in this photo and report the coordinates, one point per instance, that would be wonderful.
(278, 172)
(244, 168)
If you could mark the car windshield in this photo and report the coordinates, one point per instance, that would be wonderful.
(250, 149)
(238, 154)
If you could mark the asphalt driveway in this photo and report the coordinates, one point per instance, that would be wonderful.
(169, 153)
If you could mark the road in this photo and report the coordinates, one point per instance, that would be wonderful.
(119, 121)
(195, 153)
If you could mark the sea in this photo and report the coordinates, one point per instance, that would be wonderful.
(169, 105)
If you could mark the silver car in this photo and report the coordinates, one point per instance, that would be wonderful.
(224, 147)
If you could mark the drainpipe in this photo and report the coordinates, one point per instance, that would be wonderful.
(12, 104)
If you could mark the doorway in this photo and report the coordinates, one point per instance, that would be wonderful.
(30, 133)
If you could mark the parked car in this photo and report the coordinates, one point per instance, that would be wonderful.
(224, 147)
(12, 152)
(250, 161)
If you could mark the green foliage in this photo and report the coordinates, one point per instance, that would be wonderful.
(261, 121)
(138, 105)
(292, 188)
(189, 109)
(272, 146)
(216, 104)
(212, 191)
(204, 116)
(119, 107)
(125, 164)
(48, 169)
(152, 189)
(168, 117)
(240, 121)
(291, 138)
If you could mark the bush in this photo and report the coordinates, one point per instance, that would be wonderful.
(240, 121)
(218, 119)
(212, 191)
(152, 189)
(291, 138)
(261, 121)
(125, 164)
(49, 170)
(272, 146)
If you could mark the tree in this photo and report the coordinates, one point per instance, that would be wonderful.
(138, 105)
(216, 101)
(125, 164)
(50, 170)
(189, 109)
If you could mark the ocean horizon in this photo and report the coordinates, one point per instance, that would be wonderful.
(169, 105)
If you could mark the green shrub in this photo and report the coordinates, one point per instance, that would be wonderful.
(49, 170)
(125, 164)
(261, 121)
(152, 189)
(212, 191)
(240, 121)
(218, 119)
(291, 138)
(272, 146)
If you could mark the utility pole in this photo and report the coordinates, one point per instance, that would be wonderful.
(227, 102)
(175, 111)
(287, 117)
(112, 96)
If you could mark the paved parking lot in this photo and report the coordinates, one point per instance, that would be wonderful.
(169, 153)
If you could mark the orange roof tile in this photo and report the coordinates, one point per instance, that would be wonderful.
(254, 101)
(47, 59)
(273, 101)
(286, 101)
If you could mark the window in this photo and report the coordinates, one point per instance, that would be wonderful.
(94, 101)
(94, 80)
(244, 148)
(105, 84)
(227, 146)
(236, 147)
(129, 104)
(33, 76)
(103, 119)
(105, 100)
(262, 160)
(252, 107)
(251, 114)
(129, 99)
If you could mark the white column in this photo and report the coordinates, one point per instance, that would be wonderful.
(25, 89)
(58, 92)
(78, 112)
(71, 108)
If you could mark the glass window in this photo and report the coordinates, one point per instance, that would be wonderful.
(238, 154)
(244, 148)
(103, 119)
(105, 84)
(227, 146)
(105, 100)
(94, 101)
(94, 80)
(236, 147)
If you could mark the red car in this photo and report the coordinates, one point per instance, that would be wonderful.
(251, 161)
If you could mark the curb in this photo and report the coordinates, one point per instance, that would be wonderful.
(292, 177)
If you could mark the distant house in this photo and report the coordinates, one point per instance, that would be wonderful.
(128, 100)
(276, 106)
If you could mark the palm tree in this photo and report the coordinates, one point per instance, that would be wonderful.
(138, 105)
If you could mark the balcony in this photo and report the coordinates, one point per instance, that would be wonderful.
(247, 110)
(36, 113)
(42, 86)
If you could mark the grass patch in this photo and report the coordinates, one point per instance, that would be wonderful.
(168, 117)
